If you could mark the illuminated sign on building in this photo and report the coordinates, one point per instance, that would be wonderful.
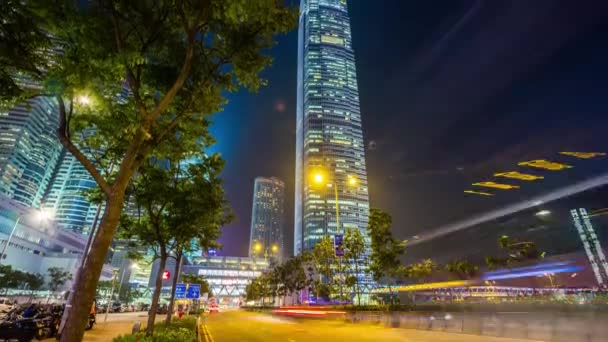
(591, 244)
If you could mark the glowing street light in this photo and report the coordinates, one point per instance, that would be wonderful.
(42, 215)
(257, 247)
(84, 100)
(318, 178)
(275, 248)
(352, 181)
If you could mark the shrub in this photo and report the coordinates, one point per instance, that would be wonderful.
(180, 330)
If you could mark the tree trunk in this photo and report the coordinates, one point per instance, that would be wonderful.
(178, 262)
(156, 295)
(86, 282)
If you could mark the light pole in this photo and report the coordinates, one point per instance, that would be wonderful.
(319, 178)
(43, 215)
(115, 271)
(131, 267)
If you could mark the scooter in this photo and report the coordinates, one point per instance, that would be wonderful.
(91, 321)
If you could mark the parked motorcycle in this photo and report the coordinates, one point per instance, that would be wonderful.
(22, 329)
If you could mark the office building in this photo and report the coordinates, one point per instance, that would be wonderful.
(227, 276)
(67, 196)
(29, 150)
(330, 154)
(267, 224)
(37, 245)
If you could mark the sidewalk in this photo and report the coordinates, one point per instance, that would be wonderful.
(107, 331)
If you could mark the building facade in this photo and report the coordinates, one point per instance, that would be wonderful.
(227, 276)
(66, 196)
(29, 150)
(330, 152)
(267, 223)
(37, 245)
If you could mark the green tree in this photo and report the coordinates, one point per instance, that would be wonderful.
(294, 275)
(324, 261)
(354, 250)
(104, 287)
(175, 59)
(515, 252)
(34, 282)
(9, 278)
(198, 211)
(57, 278)
(422, 270)
(385, 249)
(181, 205)
(462, 269)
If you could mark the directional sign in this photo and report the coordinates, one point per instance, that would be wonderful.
(193, 291)
(180, 290)
(338, 244)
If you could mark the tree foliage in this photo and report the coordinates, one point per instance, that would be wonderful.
(385, 249)
(281, 280)
(354, 248)
(57, 278)
(462, 269)
(178, 204)
(129, 78)
(422, 270)
(514, 252)
(13, 279)
(324, 261)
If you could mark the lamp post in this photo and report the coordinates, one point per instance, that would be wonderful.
(319, 178)
(43, 215)
(115, 271)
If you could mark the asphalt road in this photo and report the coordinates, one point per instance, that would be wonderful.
(246, 326)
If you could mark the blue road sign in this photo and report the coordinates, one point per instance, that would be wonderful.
(338, 244)
(194, 291)
(180, 291)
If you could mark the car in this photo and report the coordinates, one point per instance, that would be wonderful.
(214, 308)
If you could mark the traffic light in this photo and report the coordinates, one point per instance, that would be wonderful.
(166, 275)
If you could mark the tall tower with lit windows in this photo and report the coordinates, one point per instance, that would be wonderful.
(267, 224)
(331, 193)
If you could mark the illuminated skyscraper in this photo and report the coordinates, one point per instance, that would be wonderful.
(267, 224)
(330, 155)
(67, 195)
(29, 150)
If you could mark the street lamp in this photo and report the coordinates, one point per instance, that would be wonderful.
(42, 215)
(84, 100)
(319, 178)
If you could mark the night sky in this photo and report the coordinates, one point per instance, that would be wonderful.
(451, 92)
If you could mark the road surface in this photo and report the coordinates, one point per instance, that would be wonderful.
(246, 326)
